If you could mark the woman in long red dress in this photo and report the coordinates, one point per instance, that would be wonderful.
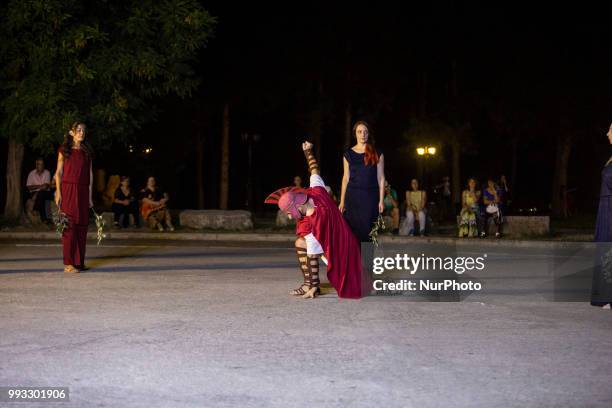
(74, 179)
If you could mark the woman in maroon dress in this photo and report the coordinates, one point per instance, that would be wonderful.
(74, 178)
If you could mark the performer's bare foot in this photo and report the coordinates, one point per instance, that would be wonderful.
(312, 293)
(70, 269)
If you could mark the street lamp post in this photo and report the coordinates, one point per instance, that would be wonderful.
(426, 152)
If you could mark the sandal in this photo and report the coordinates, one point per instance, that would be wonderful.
(301, 291)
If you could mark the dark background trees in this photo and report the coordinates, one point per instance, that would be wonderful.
(526, 97)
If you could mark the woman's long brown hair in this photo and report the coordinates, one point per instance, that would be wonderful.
(371, 156)
(69, 142)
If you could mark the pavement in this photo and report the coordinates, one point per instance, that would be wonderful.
(210, 324)
(285, 236)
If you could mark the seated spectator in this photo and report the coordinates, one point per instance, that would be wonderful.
(125, 206)
(154, 208)
(297, 181)
(416, 201)
(392, 207)
(469, 217)
(38, 185)
(492, 200)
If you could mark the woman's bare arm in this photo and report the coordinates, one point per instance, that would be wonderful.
(58, 178)
(118, 201)
(345, 179)
(393, 200)
(149, 201)
(380, 174)
(90, 185)
(313, 166)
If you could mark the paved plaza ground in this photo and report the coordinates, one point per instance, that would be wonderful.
(187, 324)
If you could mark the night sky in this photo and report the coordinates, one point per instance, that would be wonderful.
(518, 74)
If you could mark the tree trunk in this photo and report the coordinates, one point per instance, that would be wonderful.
(456, 171)
(199, 145)
(514, 166)
(14, 163)
(564, 148)
(224, 183)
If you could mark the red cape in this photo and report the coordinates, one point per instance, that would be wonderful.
(339, 244)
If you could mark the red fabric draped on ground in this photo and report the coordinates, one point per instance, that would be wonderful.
(340, 245)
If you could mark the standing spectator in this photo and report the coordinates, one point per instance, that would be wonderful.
(416, 200)
(491, 199)
(392, 207)
(39, 189)
(469, 218)
(125, 206)
(154, 209)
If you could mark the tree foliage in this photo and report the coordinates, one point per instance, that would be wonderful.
(102, 62)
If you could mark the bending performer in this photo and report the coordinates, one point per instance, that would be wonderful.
(322, 231)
